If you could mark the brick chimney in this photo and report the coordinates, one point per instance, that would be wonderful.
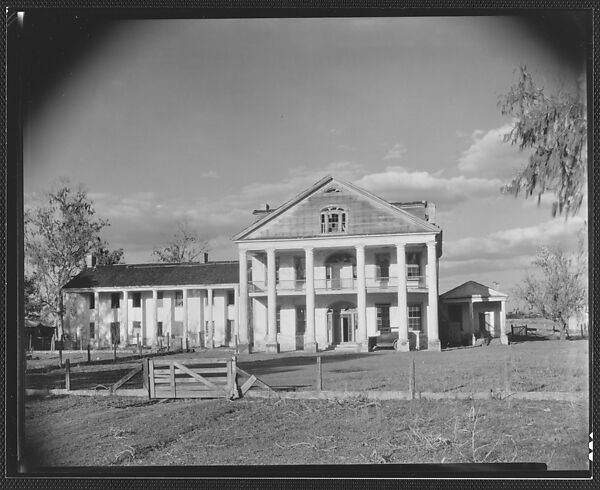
(205, 258)
(90, 260)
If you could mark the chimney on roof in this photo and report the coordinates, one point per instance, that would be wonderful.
(205, 258)
(90, 260)
(262, 212)
(430, 212)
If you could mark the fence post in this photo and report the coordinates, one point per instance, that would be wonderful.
(89, 354)
(187, 344)
(319, 374)
(411, 380)
(234, 385)
(145, 374)
(68, 375)
(139, 345)
(151, 377)
(114, 351)
(168, 342)
(507, 369)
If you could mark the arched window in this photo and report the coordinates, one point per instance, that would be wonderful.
(334, 220)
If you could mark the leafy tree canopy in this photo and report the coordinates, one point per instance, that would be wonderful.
(59, 234)
(559, 290)
(554, 127)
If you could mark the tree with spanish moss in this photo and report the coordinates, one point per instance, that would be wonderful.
(554, 128)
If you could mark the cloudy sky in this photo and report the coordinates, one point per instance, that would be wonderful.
(209, 119)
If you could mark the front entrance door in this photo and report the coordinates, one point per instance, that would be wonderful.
(347, 327)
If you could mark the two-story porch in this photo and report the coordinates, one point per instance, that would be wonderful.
(311, 295)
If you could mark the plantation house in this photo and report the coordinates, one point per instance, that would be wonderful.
(333, 266)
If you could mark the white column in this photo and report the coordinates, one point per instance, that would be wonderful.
(185, 315)
(271, 339)
(361, 300)
(210, 341)
(403, 345)
(472, 320)
(125, 319)
(236, 314)
(201, 329)
(432, 288)
(243, 304)
(97, 317)
(503, 336)
(311, 341)
(150, 337)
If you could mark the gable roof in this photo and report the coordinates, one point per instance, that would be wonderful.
(410, 217)
(146, 275)
(470, 289)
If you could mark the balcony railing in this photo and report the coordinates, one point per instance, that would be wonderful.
(339, 284)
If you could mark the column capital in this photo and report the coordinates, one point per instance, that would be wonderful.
(431, 243)
(309, 249)
(401, 246)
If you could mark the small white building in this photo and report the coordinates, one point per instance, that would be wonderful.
(472, 308)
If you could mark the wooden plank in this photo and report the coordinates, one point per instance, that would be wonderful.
(192, 374)
(218, 370)
(248, 384)
(188, 380)
(173, 392)
(151, 378)
(125, 378)
(258, 380)
(165, 362)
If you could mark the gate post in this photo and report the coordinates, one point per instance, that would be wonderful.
(151, 377)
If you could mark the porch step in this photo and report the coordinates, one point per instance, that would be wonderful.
(347, 346)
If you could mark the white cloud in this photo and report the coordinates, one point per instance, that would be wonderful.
(401, 184)
(210, 174)
(490, 156)
(516, 242)
(396, 152)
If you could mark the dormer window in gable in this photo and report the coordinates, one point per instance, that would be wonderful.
(334, 220)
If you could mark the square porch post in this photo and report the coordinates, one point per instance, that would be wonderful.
(271, 340)
(361, 300)
(432, 288)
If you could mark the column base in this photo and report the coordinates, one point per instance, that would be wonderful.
(311, 347)
(362, 346)
(209, 344)
(403, 346)
(244, 349)
(504, 339)
(273, 348)
(434, 344)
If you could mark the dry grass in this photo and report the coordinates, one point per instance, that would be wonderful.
(74, 431)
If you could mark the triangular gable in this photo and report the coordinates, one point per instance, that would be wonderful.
(367, 214)
(470, 289)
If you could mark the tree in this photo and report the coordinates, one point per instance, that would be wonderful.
(105, 256)
(184, 246)
(58, 236)
(560, 291)
(554, 127)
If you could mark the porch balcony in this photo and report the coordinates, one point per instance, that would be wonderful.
(373, 283)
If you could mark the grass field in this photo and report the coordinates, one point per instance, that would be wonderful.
(103, 431)
(542, 365)
(82, 431)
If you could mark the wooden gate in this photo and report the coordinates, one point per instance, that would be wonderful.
(189, 378)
